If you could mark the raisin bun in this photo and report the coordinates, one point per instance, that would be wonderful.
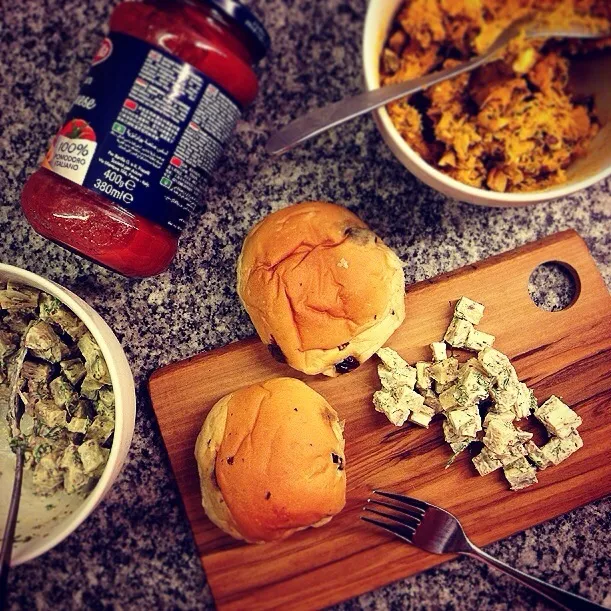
(323, 291)
(271, 461)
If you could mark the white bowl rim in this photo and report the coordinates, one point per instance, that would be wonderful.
(370, 67)
(123, 396)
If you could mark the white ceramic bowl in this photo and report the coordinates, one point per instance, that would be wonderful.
(594, 78)
(40, 528)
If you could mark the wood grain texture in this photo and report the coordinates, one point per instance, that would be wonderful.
(567, 353)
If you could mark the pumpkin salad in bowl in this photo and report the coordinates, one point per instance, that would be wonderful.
(514, 125)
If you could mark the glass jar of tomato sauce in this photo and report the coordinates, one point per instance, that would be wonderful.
(161, 98)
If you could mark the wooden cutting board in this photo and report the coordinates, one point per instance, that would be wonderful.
(567, 353)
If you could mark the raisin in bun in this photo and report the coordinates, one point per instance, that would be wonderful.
(271, 461)
(323, 291)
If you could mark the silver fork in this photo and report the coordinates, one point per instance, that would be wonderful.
(439, 532)
(322, 119)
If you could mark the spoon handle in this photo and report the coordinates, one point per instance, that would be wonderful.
(9, 529)
(322, 119)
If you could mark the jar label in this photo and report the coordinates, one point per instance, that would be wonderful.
(145, 131)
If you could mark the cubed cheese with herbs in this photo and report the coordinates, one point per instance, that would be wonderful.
(448, 398)
(507, 416)
(497, 365)
(392, 359)
(486, 462)
(444, 372)
(421, 414)
(537, 456)
(387, 403)
(525, 401)
(473, 385)
(469, 310)
(520, 474)
(423, 377)
(478, 340)
(439, 351)
(500, 435)
(505, 398)
(466, 422)
(395, 378)
(513, 452)
(395, 371)
(556, 449)
(458, 332)
(432, 400)
(557, 417)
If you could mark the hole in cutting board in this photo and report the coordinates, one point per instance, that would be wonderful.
(553, 286)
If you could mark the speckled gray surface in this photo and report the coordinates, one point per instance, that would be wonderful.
(136, 550)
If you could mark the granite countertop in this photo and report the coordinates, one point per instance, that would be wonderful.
(136, 550)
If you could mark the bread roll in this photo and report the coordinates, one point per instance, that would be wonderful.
(271, 461)
(323, 291)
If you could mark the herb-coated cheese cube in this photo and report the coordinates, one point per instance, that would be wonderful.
(465, 422)
(556, 450)
(386, 403)
(432, 400)
(537, 456)
(474, 385)
(445, 371)
(478, 340)
(391, 358)
(520, 474)
(557, 417)
(439, 351)
(500, 435)
(524, 401)
(422, 416)
(469, 310)
(447, 399)
(423, 377)
(485, 462)
(458, 332)
(513, 451)
(497, 365)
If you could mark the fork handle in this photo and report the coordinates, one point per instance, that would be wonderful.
(562, 598)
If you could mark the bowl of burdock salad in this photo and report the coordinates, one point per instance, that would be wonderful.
(67, 398)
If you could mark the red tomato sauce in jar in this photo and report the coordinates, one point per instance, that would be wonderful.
(161, 98)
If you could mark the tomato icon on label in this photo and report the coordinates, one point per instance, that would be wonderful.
(78, 128)
(103, 52)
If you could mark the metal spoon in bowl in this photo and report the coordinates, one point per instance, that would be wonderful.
(322, 119)
(15, 412)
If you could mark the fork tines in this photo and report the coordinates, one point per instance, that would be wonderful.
(404, 523)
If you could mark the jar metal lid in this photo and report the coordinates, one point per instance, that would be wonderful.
(258, 38)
